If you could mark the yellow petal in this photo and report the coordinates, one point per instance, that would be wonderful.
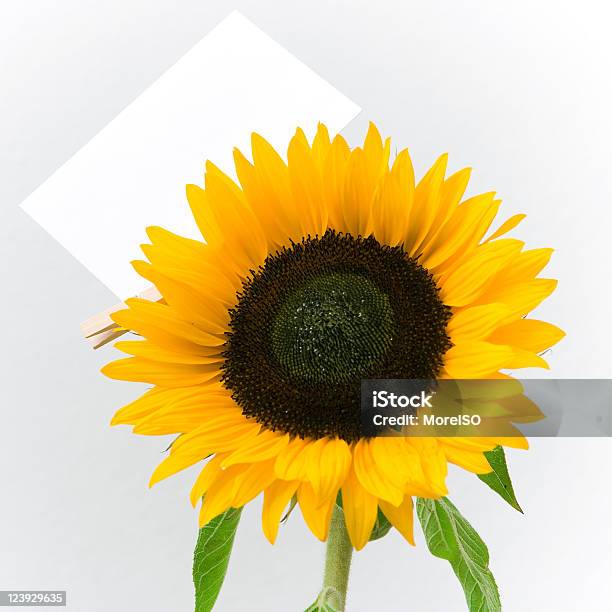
(252, 482)
(154, 319)
(371, 477)
(506, 227)
(472, 461)
(399, 463)
(523, 267)
(462, 232)
(276, 497)
(201, 266)
(393, 201)
(476, 323)
(273, 181)
(173, 464)
(527, 359)
(219, 496)
(365, 170)
(467, 250)
(222, 433)
(184, 415)
(475, 359)
(472, 444)
(316, 512)
(401, 517)
(203, 215)
(373, 144)
(451, 192)
(334, 177)
(138, 369)
(529, 334)
(205, 478)
(146, 404)
(433, 461)
(208, 314)
(207, 279)
(321, 145)
(327, 463)
(306, 186)
(291, 461)
(357, 196)
(426, 204)
(235, 218)
(149, 350)
(360, 510)
(375, 157)
(521, 298)
(465, 284)
(265, 445)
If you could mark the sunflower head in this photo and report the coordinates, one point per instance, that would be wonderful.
(317, 272)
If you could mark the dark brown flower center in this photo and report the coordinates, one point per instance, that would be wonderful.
(318, 317)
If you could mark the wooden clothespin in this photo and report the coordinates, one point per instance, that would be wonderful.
(101, 329)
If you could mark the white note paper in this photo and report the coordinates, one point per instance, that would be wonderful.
(133, 173)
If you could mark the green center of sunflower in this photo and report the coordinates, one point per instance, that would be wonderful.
(332, 328)
(320, 316)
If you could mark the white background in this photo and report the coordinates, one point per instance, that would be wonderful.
(520, 91)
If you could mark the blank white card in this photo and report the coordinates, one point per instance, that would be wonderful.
(133, 173)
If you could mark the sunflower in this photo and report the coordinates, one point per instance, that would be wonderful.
(316, 273)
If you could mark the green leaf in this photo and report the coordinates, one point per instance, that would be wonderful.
(381, 526)
(211, 557)
(316, 607)
(324, 601)
(499, 479)
(449, 536)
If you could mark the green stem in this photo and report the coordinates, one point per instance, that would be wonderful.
(337, 559)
